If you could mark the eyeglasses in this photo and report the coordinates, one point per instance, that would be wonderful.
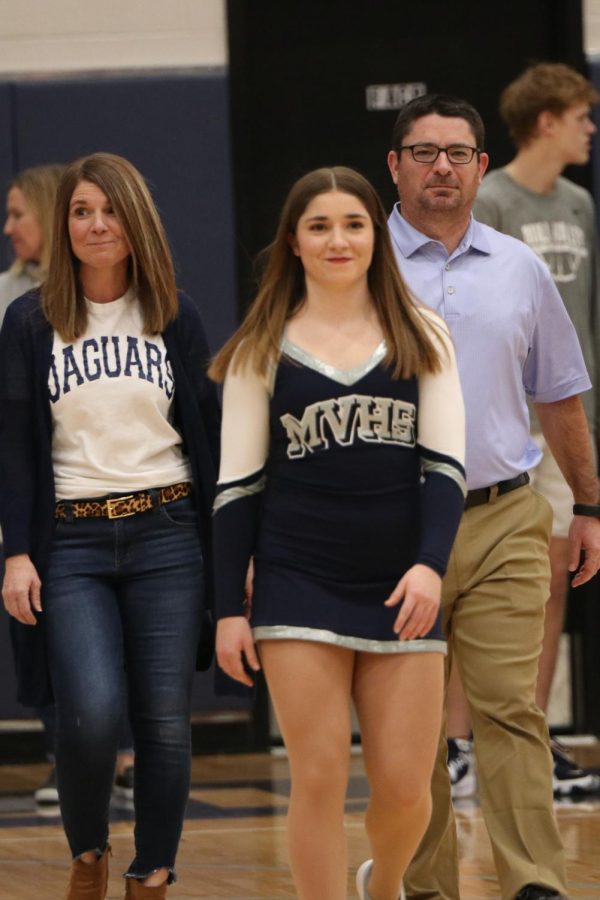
(458, 154)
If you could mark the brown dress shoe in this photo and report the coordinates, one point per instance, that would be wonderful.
(89, 881)
(135, 890)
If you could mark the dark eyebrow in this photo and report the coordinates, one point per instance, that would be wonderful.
(355, 215)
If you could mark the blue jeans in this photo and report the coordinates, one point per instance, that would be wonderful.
(123, 601)
(47, 715)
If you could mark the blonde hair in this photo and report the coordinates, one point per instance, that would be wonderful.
(552, 87)
(410, 350)
(38, 186)
(151, 271)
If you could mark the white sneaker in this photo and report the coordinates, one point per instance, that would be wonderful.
(47, 794)
(363, 876)
(461, 768)
(569, 779)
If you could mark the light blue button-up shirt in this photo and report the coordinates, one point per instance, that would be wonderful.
(513, 337)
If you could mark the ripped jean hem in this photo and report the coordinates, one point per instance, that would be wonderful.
(99, 852)
(140, 876)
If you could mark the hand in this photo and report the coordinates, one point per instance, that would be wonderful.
(21, 589)
(234, 644)
(584, 534)
(421, 589)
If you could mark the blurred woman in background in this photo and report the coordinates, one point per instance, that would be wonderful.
(29, 209)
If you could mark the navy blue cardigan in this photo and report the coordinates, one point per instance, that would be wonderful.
(27, 496)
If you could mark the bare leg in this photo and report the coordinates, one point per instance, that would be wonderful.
(157, 878)
(399, 704)
(555, 617)
(125, 759)
(310, 686)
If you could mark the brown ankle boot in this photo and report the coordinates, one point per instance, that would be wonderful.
(135, 890)
(89, 881)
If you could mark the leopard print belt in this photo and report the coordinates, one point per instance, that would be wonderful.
(120, 507)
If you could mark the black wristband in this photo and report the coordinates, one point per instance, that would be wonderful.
(587, 509)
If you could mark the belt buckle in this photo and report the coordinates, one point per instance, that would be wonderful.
(115, 515)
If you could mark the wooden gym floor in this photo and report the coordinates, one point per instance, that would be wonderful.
(233, 843)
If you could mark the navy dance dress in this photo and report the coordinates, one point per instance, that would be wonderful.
(337, 513)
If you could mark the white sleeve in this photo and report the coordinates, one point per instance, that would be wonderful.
(441, 417)
(245, 425)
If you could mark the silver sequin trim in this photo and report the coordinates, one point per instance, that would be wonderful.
(342, 376)
(298, 633)
(431, 465)
(235, 493)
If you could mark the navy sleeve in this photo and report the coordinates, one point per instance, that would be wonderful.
(197, 358)
(17, 436)
(236, 510)
(235, 525)
(442, 505)
(441, 444)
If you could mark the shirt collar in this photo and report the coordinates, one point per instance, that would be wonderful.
(409, 240)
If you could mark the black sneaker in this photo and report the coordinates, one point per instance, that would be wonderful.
(47, 794)
(538, 892)
(569, 779)
(123, 784)
(461, 768)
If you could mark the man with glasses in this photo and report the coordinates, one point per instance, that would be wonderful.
(513, 339)
(547, 110)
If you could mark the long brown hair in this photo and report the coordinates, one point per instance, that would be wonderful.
(38, 186)
(151, 272)
(410, 350)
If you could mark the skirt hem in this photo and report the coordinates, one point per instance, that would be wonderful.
(351, 642)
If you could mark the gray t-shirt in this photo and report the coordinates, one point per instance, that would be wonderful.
(560, 228)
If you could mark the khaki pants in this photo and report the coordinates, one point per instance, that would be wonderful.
(494, 598)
